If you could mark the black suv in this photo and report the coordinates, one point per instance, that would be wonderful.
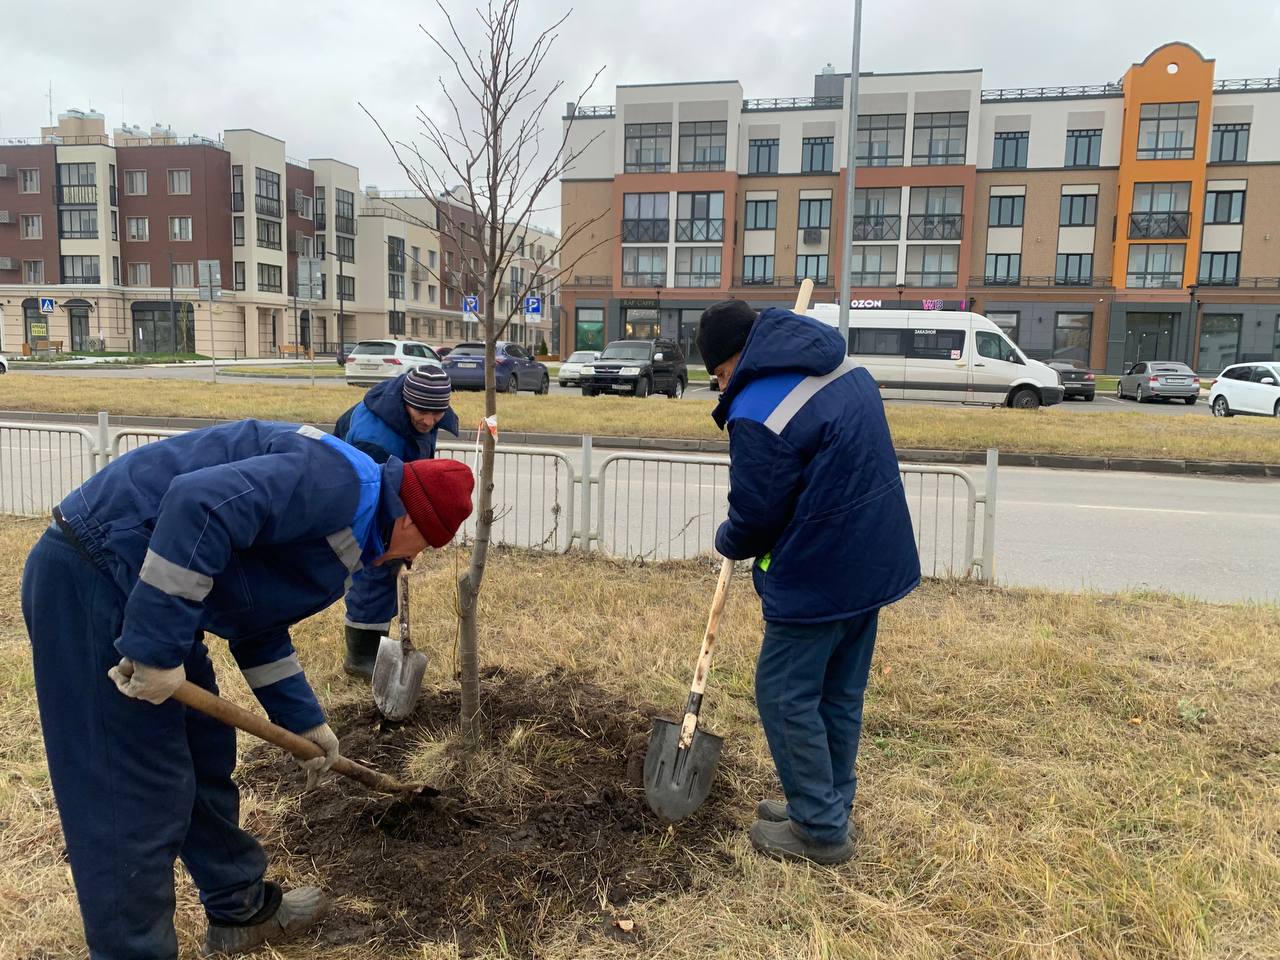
(637, 367)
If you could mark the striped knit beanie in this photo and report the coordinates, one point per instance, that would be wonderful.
(427, 388)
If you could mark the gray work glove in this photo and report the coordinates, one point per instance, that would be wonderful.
(326, 740)
(152, 684)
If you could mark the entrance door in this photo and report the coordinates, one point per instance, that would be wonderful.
(79, 329)
(1148, 336)
(304, 329)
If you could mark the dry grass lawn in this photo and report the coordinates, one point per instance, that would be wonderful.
(1054, 430)
(1042, 775)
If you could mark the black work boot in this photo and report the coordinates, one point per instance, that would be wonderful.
(362, 651)
(774, 811)
(783, 841)
(283, 915)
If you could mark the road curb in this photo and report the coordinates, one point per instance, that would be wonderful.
(1055, 461)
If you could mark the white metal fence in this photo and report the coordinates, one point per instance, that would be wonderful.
(649, 506)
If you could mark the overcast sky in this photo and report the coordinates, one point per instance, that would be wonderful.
(297, 69)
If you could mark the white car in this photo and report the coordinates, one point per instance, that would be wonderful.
(372, 361)
(571, 369)
(4, 364)
(1247, 388)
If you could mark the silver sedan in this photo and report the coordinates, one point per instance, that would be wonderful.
(1159, 379)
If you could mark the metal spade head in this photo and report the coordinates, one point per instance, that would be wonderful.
(397, 678)
(677, 781)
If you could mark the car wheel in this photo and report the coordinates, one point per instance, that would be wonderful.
(1119, 389)
(1137, 395)
(564, 383)
(545, 388)
(1025, 399)
(1276, 412)
(1088, 397)
(642, 387)
(588, 392)
(513, 384)
(1191, 401)
(1221, 408)
(677, 391)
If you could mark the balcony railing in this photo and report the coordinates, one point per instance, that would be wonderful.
(657, 166)
(77, 193)
(237, 203)
(1159, 226)
(877, 226)
(701, 166)
(1257, 83)
(793, 103)
(1154, 281)
(1042, 281)
(779, 281)
(934, 226)
(1054, 93)
(1219, 281)
(418, 273)
(697, 231)
(874, 279)
(81, 278)
(644, 279)
(267, 206)
(578, 110)
(79, 234)
(345, 225)
(997, 281)
(646, 231)
(703, 279)
(586, 280)
(930, 278)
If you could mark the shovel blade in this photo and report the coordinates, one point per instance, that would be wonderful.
(676, 781)
(397, 678)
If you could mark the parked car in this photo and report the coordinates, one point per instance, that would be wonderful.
(1159, 380)
(571, 369)
(1252, 389)
(4, 364)
(516, 370)
(637, 367)
(371, 361)
(1076, 382)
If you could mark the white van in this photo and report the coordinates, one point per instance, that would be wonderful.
(944, 355)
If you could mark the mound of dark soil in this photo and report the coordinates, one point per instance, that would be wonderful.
(575, 839)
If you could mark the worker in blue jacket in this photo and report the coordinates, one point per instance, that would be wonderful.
(241, 530)
(397, 418)
(815, 498)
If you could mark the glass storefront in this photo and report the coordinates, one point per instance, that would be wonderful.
(1148, 336)
(1219, 342)
(1071, 338)
(640, 323)
(79, 318)
(588, 331)
(689, 334)
(155, 330)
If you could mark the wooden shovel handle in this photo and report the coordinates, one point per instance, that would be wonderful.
(402, 586)
(214, 706)
(803, 295)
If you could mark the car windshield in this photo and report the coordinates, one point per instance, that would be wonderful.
(375, 348)
(626, 351)
(467, 350)
(582, 356)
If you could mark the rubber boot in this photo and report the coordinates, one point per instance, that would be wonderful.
(774, 811)
(783, 841)
(362, 651)
(286, 916)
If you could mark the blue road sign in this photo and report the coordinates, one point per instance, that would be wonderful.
(46, 304)
(533, 306)
(471, 304)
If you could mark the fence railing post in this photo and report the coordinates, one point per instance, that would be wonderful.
(584, 530)
(104, 440)
(989, 518)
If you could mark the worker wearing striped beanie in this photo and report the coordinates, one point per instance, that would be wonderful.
(426, 393)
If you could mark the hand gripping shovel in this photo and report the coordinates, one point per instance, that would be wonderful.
(398, 669)
(681, 760)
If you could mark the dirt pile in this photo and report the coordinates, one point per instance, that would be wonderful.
(566, 834)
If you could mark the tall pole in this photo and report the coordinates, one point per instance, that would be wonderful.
(846, 251)
(342, 340)
(173, 320)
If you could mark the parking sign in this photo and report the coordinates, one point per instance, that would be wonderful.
(471, 303)
(533, 306)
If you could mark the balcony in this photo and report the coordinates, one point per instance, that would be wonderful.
(418, 273)
(1159, 226)
(646, 231)
(874, 279)
(705, 279)
(934, 226)
(345, 225)
(267, 206)
(237, 203)
(701, 166)
(82, 278)
(1042, 281)
(1079, 91)
(72, 194)
(930, 278)
(1219, 281)
(644, 279)
(779, 281)
(699, 231)
(994, 280)
(1154, 281)
(580, 280)
(792, 103)
(877, 226)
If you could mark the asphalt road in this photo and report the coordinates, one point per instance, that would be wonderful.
(1210, 538)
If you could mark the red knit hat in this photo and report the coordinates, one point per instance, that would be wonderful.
(437, 496)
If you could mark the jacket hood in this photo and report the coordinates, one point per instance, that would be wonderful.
(781, 342)
(386, 401)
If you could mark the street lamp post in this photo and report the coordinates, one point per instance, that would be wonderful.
(846, 252)
(1191, 322)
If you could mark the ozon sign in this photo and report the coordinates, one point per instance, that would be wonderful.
(866, 304)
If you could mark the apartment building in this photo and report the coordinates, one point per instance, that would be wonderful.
(1102, 224)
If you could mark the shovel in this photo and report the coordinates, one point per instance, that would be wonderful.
(398, 669)
(681, 760)
(211, 704)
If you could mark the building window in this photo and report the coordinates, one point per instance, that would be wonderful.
(344, 211)
(431, 260)
(874, 266)
(115, 270)
(77, 183)
(139, 274)
(346, 288)
(1167, 131)
(877, 213)
(431, 293)
(266, 192)
(1084, 148)
(1229, 143)
(111, 182)
(1160, 210)
(762, 156)
(344, 248)
(395, 254)
(1156, 265)
(304, 206)
(33, 271)
(935, 213)
(238, 271)
(79, 223)
(1007, 322)
(115, 225)
(1003, 268)
(1074, 270)
(1224, 206)
(179, 183)
(1220, 343)
(817, 154)
(699, 217)
(1220, 269)
(646, 217)
(644, 266)
(757, 270)
(761, 215)
(815, 214)
(1078, 210)
(319, 208)
(1010, 151)
(135, 183)
(29, 179)
(881, 139)
(320, 248)
(184, 275)
(813, 266)
(1071, 335)
(702, 145)
(269, 278)
(306, 246)
(137, 229)
(80, 270)
(269, 234)
(932, 265)
(697, 267)
(395, 322)
(939, 138)
(648, 148)
(31, 226)
(395, 286)
(180, 228)
(588, 328)
(237, 231)
(415, 290)
(1005, 211)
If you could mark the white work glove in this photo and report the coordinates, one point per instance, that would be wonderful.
(326, 740)
(152, 684)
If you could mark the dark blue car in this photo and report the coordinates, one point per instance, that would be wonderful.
(516, 369)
